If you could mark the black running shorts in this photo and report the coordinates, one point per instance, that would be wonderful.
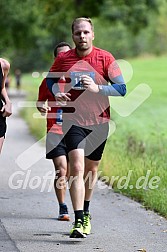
(92, 139)
(55, 146)
(2, 119)
(2, 125)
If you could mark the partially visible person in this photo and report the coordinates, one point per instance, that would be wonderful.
(61, 47)
(5, 103)
(7, 82)
(58, 154)
(18, 78)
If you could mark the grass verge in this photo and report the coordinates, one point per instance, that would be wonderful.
(135, 157)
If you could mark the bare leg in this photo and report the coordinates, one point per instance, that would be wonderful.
(1, 143)
(90, 176)
(60, 164)
(76, 181)
(61, 168)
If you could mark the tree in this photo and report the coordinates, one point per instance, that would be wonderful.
(17, 19)
(58, 14)
(21, 33)
(133, 14)
(34, 27)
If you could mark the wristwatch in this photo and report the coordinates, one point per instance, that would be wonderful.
(100, 87)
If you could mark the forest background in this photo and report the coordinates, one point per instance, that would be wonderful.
(127, 28)
(131, 30)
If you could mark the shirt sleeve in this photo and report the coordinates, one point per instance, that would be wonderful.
(113, 90)
(52, 77)
(116, 84)
(42, 93)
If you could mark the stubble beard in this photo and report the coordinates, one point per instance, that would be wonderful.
(82, 47)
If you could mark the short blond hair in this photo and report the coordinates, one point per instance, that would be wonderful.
(80, 19)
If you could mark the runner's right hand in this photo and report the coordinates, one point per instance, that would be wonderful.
(62, 97)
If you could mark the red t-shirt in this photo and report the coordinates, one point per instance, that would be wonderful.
(45, 95)
(90, 108)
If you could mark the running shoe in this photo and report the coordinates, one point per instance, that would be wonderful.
(63, 214)
(87, 224)
(77, 230)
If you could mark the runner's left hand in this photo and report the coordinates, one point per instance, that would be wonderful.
(89, 84)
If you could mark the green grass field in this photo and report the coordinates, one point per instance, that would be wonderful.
(137, 151)
(139, 143)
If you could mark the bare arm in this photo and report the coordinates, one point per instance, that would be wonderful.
(7, 108)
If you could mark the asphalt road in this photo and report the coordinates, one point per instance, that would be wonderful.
(28, 207)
